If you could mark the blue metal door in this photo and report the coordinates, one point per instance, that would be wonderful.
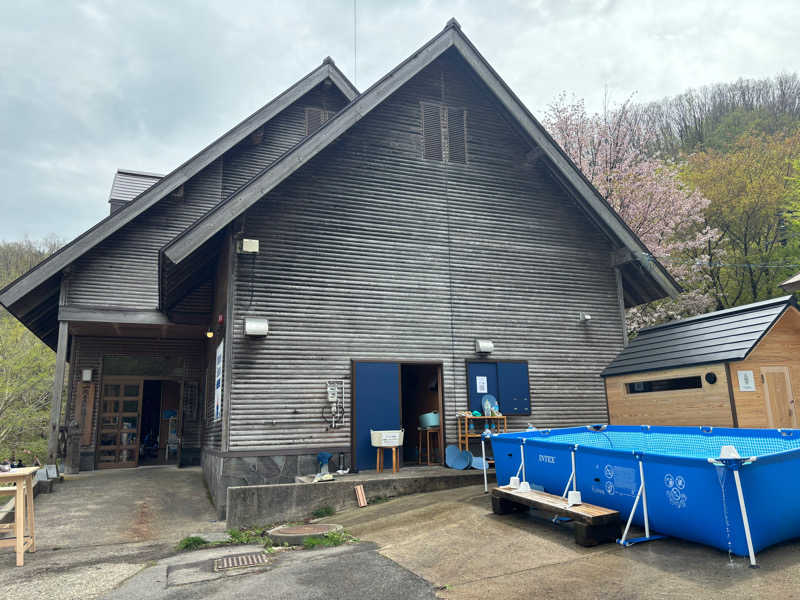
(482, 378)
(514, 390)
(376, 397)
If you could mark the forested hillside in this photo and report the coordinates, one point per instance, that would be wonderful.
(709, 181)
(26, 364)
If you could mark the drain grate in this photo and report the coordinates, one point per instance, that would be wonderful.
(240, 561)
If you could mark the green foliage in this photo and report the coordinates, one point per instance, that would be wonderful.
(725, 135)
(26, 364)
(323, 511)
(192, 542)
(714, 116)
(254, 535)
(329, 540)
(751, 193)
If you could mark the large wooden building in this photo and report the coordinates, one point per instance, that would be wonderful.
(327, 266)
(738, 367)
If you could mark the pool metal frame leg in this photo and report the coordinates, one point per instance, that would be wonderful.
(734, 464)
(483, 455)
(572, 479)
(745, 520)
(642, 493)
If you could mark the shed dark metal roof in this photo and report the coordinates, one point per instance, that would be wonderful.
(129, 184)
(720, 336)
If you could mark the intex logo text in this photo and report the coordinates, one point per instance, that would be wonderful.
(547, 459)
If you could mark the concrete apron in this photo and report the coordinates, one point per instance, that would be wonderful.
(259, 505)
(453, 540)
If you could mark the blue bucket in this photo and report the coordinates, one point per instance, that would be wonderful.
(430, 419)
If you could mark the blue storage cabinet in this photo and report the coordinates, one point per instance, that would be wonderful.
(474, 371)
(514, 398)
(506, 380)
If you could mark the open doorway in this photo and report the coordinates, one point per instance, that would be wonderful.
(160, 422)
(151, 407)
(421, 392)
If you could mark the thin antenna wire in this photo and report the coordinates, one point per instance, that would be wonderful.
(355, 46)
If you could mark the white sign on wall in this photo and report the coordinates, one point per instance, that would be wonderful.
(218, 381)
(482, 384)
(747, 382)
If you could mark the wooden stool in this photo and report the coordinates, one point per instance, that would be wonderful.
(22, 490)
(395, 457)
(436, 431)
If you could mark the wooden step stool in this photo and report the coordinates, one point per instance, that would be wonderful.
(593, 524)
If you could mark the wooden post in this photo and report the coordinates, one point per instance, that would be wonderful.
(621, 300)
(58, 387)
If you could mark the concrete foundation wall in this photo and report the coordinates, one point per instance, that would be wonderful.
(221, 472)
(259, 505)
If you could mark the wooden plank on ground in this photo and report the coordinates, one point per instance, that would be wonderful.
(361, 497)
(585, 513)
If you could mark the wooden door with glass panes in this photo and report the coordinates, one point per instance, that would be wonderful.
(118, 436)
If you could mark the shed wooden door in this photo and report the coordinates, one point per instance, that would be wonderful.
(118, 439)
(778, 397)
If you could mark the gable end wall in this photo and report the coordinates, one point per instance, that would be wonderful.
(371, 252)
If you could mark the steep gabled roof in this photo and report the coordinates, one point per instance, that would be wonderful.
(53, 265)
(720, 336)
(451, 37)
(129, 184)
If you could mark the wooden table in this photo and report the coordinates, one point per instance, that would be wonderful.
(21, 481)
(464, 434)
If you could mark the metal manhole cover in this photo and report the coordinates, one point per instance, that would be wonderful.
(240, 561)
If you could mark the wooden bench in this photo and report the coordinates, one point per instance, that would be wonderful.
(593, 524)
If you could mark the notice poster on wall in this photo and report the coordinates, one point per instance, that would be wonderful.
(218, 381)
(747, 382)
(482, 384)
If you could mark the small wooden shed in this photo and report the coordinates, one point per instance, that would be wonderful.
(738, 367)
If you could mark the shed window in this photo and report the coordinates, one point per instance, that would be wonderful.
(665, 385)
(444, 133)
(316, 118)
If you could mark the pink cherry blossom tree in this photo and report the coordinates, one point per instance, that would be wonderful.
(611, 148)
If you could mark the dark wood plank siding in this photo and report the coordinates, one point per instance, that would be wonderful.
(88, 353)
(122, 271)
(371, 252)
(280, 134)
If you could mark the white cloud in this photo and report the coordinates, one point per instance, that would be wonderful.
(91, 86)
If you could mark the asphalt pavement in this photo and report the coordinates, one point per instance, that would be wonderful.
(348, 571)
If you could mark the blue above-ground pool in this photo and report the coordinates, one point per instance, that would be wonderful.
(691, 493)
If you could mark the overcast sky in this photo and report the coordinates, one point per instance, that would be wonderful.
(86, 87)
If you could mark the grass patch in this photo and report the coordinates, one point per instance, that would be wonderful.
(192, 542)
(378, 500)
(329, 540)
(323, 511)
(254, 535)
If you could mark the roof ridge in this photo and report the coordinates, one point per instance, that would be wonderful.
(790, 299)
(145, 173)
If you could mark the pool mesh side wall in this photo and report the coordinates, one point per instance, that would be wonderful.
(690, 442)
